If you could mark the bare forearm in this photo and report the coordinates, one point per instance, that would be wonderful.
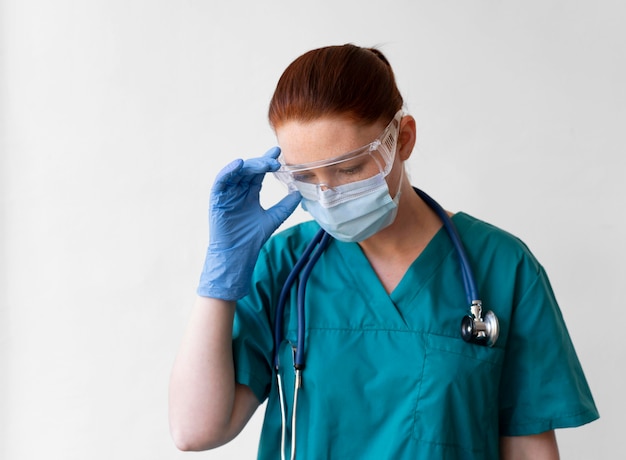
(202, 384)
(541, 446)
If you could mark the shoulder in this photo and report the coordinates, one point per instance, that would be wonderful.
(503, 264)
(470, 225)
(486, 240)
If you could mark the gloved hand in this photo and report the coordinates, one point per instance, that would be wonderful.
(239, 226)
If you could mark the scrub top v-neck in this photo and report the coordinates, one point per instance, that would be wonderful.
(388, 375)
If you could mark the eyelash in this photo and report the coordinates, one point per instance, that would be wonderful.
(351, 171)
(302, 177)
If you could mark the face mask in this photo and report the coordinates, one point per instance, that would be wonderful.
(354, 212)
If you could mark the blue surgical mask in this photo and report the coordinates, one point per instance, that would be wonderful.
(353, 212)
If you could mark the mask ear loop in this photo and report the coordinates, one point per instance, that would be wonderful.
(396, 197)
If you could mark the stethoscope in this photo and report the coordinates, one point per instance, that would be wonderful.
(474, 327)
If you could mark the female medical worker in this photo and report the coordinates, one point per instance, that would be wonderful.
(387, 373)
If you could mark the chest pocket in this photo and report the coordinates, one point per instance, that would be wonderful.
(457, 402)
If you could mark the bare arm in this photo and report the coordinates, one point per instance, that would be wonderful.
(541, 446)
(206, 407)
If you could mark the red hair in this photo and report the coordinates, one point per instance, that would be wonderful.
(336, 80)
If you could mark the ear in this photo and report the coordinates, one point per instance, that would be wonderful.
(406, 137)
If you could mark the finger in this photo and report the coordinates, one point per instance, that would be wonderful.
(274, 152)
(266, 163)
(260, 165)
(228, 175)
(284, 208)
(251, 170)
(256, 168)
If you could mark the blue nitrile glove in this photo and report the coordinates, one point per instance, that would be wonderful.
(239, 226)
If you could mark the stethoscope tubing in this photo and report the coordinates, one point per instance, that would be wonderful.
(312, 253)
(302, 268)
(471, 291)
(304, 277)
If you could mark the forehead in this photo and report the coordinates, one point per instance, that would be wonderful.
(323, 138)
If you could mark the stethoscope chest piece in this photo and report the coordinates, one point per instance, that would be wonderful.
(479, 330)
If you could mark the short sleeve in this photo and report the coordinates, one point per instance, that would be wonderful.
(543, 386)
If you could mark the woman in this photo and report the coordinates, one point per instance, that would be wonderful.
(387, 372)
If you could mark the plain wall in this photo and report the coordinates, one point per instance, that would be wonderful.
(115, 117)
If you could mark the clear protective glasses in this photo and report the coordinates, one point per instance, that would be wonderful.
(361, 164)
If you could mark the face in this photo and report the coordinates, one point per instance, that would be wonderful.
(332, 151)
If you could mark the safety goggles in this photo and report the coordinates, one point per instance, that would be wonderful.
(358, 165)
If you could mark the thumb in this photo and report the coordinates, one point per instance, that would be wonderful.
(284, 208)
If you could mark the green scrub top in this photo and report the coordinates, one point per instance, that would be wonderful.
(388, 375)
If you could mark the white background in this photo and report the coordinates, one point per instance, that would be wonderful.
(116, 115)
